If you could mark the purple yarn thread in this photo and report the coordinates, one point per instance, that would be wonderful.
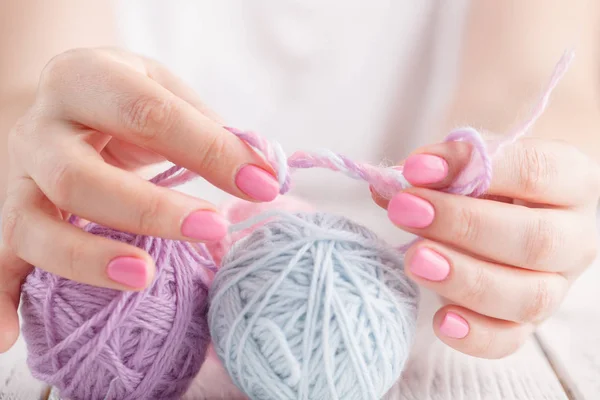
(94, 343)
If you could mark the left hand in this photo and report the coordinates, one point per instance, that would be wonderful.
(503, 262)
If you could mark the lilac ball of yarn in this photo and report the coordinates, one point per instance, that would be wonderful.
(93, 343)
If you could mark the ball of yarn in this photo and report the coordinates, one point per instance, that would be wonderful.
(213, 380)
(101, 344)
(313, 306)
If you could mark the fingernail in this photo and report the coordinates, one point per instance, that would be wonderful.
(410, 211)
(257, 183)
(204, 225)
(454, 326)
(424, 169)
(129, 271)
(429, 265)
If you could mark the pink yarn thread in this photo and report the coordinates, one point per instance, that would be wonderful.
(387, 181)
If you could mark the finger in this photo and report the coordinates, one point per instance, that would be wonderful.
(130, 106)
(490, 289)
(545, 172)
(12, 272)
(436, 166)
(477, 335)
(179, 88)
(31, 234)
(383, 202)
(532, 169)
(508, 234)
(159, 73)
(76, 179)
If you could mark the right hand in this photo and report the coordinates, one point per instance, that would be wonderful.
(99, 116)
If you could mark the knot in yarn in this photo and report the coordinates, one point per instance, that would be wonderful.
(313, 306)
(93, 343)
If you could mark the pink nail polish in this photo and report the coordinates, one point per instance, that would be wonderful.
(424, 169)
(129, 271)
(454, 326)
(257, 183)
(204, 225)
(429, 265)
(410, 211)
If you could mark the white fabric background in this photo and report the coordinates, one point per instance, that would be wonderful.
(363, 78)
(360, 78)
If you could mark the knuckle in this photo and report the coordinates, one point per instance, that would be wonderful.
(149, 117)
(16, 135)
(60, 67)
(485, 342)
(12, 219)
(540, 304)
(512, 344)
(211, 154)
(23, 137)
(590, 250)
(542, 242)
(149, 215)
(467, 226)
(476, 287)
(60, 180)
(536, 170)
(75, 262)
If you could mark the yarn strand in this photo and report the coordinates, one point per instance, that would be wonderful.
(387, 181)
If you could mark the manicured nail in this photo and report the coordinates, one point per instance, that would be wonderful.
(410, 211)
(257, 183)
(129, 271)
(429, 265)
(454, 326)
(424, 169)
(204, 225)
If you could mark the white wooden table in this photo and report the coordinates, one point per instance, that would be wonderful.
(561, 361)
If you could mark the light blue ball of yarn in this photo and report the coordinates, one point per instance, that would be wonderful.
(313, 306)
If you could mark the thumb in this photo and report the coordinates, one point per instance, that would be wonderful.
(434, 166)
(438, 165)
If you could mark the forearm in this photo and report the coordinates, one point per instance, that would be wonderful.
(509, 51)
(571, 116)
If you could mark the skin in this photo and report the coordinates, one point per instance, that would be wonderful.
(534, 232)
(100, 112)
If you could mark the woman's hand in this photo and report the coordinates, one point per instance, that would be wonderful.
(100, 115)
(502, 263)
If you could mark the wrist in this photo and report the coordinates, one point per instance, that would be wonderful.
(570, 117)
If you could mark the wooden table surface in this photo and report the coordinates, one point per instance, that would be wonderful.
(561, 361)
